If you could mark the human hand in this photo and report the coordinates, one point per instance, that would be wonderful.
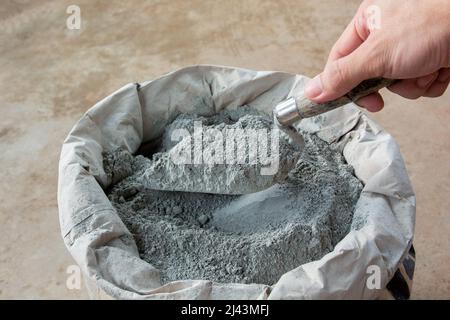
(407, 40)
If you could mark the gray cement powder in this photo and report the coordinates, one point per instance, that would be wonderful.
(216, 174)
(253, 238)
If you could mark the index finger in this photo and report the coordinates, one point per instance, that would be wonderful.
(353, 36)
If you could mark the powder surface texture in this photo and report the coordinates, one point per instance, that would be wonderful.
(252, 238)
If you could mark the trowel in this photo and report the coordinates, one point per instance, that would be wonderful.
(285, 114)
(295, 109)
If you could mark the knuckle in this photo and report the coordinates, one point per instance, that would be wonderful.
(377, 57)
(339, 71)
(338, 77)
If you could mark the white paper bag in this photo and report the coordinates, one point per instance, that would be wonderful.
(384, 218)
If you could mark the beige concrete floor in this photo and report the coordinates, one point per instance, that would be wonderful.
(51, 75)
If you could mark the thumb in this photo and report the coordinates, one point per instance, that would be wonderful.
(342, 75)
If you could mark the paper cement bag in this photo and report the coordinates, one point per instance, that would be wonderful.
(361, 266)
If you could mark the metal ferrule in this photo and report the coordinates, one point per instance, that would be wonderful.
(286, 112)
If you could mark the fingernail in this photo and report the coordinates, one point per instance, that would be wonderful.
(424, 82)
(314, 88)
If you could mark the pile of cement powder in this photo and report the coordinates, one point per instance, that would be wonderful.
(228, 153)
(254, 238)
